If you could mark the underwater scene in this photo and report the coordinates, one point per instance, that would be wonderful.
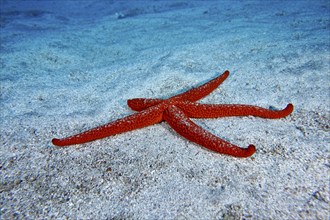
(164, 109)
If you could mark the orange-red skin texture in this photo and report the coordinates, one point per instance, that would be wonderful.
(138, 120)
(177, 119)
(176, 111)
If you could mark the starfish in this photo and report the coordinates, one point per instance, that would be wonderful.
(177, 111)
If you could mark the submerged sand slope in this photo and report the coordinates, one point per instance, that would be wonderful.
(63, 73)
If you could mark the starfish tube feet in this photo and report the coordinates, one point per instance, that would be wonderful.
(177, 119)
(139, 120)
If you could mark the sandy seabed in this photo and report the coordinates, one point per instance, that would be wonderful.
(62, 75)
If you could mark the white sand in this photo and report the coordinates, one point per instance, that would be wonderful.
(63, 73)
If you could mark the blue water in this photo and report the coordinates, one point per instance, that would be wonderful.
(67, 66)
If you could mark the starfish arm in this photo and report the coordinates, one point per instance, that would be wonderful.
(177, 119)
(203, 90)
(197, 110)
(194, 94)
(139, 104)
(131, 122)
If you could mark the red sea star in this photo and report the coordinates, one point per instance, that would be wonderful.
(176, 111)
